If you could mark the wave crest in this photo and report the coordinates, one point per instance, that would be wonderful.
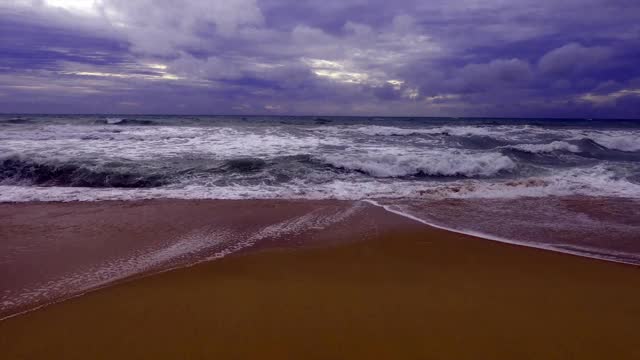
(435, 164)
(122, 121)
(17, 171)
(546, 148)
(376, 130)
(622, 142)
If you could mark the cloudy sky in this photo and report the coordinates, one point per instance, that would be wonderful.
(530, 58)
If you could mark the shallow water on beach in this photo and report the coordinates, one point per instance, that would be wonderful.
(50, 252)
(601, 228)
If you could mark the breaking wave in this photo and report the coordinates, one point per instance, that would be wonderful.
(122, 121)
(15, 171)
(547, 148)
(244, 165)
(434, 164)
(622, 142)
(376, 130)
(16, 120)
(88, 157)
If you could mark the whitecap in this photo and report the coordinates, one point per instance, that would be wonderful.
(436, 163)
(546, 148)
(622, 142)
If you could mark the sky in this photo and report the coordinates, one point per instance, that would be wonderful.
(502, 58)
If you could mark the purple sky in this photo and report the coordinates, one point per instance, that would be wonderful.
(529, 58)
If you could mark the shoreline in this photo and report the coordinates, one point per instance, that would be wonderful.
(388, 209)
(296, 210)
(484, 236)
(589, 252)
(394, 288)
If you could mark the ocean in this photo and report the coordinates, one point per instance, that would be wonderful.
(565, 185)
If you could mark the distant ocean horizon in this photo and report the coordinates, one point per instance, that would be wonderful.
(312, 116)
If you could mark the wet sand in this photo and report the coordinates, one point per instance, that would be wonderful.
(374, 286)
(51, 251)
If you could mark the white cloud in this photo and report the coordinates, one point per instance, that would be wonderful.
(83, 7)
(600, 99)
(143, 71)
(365, 56)
(164, 28)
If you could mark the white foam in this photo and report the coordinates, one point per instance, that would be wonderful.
(546, 148)
(82, 280)
(135, 143)
(565, 249)
(435, 163)
(618, 140)
(590, 181)
(624, 140)
(377, 130)
(183, 252)
(503, 132)
(384, 161)
(114, 120)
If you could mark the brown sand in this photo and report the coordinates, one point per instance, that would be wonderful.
(408, 291)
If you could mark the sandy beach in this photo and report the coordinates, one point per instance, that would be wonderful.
(373, 285)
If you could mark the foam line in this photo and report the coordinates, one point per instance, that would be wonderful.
(315, 220)
(503, 240)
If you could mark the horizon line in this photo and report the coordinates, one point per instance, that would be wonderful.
(320, 115)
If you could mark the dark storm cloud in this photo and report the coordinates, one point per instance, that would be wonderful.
(32, 41)
(441, 58)
(572, 59)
